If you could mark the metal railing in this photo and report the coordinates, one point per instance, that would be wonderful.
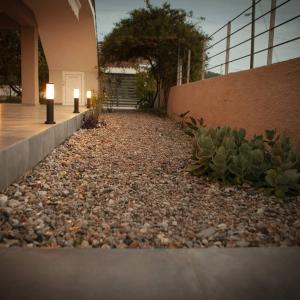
(251, 39)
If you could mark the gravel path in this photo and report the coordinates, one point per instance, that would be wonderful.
(126, 186)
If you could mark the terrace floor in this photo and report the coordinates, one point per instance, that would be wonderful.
(18, 122)
(25, 140)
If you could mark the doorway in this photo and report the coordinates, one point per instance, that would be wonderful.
(73, 80)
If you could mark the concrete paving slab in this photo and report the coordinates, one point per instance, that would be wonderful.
(25, 140)
(248, 273)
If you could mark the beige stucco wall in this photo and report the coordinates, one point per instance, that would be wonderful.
(29, 65)
(56, 77)
(68, 39)
(69, 42)
(259, 99)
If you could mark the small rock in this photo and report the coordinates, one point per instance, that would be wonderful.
(218, 244)
(39, 224)
(95, 243)
(207, 232)
(229, 189)
(260, 211)
(205, 242)
(14, 223)
(262, 228)
(297, 224)
(11, 243)
(42, 193)
(3, 200)
(164, 225)
(66, 192)
(17, 194)
(242, 243)
(134, 244)
(13, 203)
(85, 244)
(163, 240)
(222, 226)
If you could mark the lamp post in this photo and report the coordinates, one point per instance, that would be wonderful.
(88, 97)
(76, 101)
(50, 103)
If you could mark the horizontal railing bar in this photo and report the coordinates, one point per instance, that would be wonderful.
(259, 34)
(233, 19)
(259, 51)
(241, 28)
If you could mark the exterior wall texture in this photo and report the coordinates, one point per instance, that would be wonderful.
(29, 65)
(56, 76)
(259, 99)
(69, 40)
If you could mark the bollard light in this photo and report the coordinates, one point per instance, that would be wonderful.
(76, 101)
(50, 103)
(88, 97)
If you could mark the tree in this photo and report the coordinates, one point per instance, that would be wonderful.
(158, 35)
(145, 87)
(10, 61)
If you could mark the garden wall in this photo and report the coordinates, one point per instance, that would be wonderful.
(263, 98)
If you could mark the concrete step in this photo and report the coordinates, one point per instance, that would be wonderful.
(206, 274)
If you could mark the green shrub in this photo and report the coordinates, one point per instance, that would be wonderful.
(145, 88)
(91, 118)
(226, 155)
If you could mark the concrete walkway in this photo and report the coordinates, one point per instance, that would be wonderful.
(25, 140)
(253, 273)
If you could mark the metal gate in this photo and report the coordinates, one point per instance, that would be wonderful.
(120, 91)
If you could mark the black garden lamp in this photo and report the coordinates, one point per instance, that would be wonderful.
(76, 101)
(88, 97)
(50, 103)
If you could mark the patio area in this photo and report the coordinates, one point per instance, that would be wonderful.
(19, 122)
(25, 139)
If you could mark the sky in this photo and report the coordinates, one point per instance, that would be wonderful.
(216, 14)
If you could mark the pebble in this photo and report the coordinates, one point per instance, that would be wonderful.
(3, 200)
(12, 203)
(42, 193)
(126, 186)
(222, 226)
(205, 242)
(85, 244)
(207, 232)
(242, 243)
(17, 194)
(297, 224)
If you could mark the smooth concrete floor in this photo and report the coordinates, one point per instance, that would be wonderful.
(206, 274)
(18, 122)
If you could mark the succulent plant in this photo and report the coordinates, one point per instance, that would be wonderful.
(225, 154)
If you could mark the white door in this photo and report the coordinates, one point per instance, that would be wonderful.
(73, 80)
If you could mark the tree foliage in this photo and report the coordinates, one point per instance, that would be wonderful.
(156, 34)
(145, 88)
(10, 61)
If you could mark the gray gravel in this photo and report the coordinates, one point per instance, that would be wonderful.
(125, 185)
